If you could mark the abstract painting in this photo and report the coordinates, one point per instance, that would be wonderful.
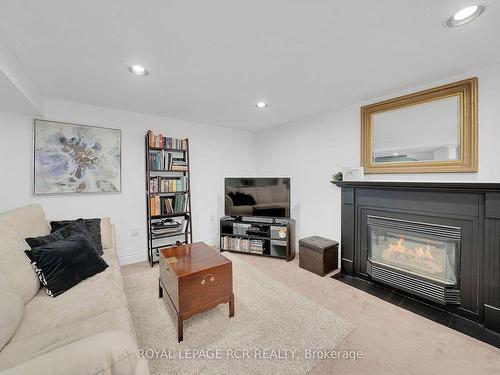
(73, 158)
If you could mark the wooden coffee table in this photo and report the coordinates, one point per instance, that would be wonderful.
(196, 278)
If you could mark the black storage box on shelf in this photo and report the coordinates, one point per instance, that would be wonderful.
(318, 255)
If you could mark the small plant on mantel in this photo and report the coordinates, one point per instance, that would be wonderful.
(337, 177)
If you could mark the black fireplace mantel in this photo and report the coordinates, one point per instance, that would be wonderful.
(474, 207)
(411, 185)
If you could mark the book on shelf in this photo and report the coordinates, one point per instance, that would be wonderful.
(159, 141)
(154, 204)
(168, 205)
(160, 160)
(160, 184)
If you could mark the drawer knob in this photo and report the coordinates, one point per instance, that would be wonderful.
(212, 278)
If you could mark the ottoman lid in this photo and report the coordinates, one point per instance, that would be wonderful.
(318, 243)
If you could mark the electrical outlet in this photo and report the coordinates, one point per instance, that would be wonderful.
(134, 231)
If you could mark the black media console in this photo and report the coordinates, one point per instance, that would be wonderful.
(264, 237)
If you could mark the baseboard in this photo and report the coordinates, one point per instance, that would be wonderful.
(142, 256)
(211, 241)
(492, 318)
(138, 257)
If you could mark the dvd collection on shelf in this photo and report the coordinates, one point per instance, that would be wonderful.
(242, 244)
(168, 205)
(160, 184)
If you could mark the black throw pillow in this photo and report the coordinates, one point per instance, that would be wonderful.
(93, 227)
(74, 228)
(62, 264)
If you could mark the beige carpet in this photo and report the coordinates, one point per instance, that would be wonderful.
(270, 321)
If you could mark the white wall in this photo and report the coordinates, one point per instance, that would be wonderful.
(215, 153)
(312, 150)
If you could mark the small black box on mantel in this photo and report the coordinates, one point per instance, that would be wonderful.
(318, 255)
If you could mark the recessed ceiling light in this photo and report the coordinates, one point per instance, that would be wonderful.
(465, 15)
(138, 70)
(261, 104)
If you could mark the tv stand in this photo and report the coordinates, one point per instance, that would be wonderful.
(251, 235)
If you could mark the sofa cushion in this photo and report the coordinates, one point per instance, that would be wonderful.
(111, 352)
(39, 343)
(111, 258)
(29, 220)
(93, 227)
(15, 265)
(60, 234)
(106, 233)
(93, 296)
(62, 264)
(11, 310)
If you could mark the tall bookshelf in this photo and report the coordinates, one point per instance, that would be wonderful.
(168, 193)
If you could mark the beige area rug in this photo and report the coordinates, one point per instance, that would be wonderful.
(274, 331)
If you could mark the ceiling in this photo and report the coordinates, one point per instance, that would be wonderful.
(12, 100)
(211, 61)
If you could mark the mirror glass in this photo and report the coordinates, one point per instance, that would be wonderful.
(421, 133)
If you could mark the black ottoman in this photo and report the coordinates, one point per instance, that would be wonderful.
(318, 255)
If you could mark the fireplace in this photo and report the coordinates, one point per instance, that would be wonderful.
(437, 242)
(418, 257)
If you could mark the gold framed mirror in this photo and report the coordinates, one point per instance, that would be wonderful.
(431, 131)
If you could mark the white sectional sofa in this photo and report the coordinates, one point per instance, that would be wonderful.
(86, 330)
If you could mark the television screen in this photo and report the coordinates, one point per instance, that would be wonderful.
(261, 196)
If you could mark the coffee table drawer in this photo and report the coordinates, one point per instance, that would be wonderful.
(204, 287)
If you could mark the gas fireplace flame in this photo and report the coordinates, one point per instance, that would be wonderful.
(421, 255)
(400, 247)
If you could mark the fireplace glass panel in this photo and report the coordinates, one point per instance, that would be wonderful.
(432, 258)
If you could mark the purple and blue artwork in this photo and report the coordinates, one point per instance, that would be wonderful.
(76, 159)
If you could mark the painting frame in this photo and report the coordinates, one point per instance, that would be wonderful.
(117, 158)
(467, 93)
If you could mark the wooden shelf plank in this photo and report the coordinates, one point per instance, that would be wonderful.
(166, 149)
(169, 215)
(176, 234)
(251, 253)
(169, 193)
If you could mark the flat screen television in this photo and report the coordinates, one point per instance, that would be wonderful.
(257, 196)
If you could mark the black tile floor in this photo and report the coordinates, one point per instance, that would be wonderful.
(421, 308)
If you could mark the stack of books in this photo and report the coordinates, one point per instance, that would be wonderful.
(159, 141)
(178, 164)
